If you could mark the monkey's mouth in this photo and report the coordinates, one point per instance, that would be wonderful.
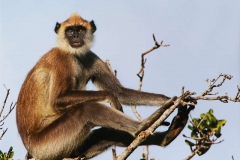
(77, 44)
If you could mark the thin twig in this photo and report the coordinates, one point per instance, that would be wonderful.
(157, 45)
(114, 153)
(4, 131)
(5, 101)
(192, 154)
(2, 109)
(212, 85)
(10, 110)
(141, 75)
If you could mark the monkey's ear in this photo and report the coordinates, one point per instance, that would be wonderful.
(57, 27)
(93, 26)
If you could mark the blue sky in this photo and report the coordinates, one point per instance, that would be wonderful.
(203, 37)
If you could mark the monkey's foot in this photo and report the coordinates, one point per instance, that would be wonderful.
(177, 125)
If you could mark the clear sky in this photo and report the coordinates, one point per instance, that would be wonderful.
(203, 37)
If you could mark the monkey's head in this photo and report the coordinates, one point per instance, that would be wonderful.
(75, 35)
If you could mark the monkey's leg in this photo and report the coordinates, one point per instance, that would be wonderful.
(101, 115)
(61, 137)
(65, 134)
(101, 139)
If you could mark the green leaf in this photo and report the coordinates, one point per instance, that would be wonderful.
(189, 143)
(203, 125)
(1, 154)
(10, 149)
(11, 155)
(202, 116)
(218, 132)
(221, 122)
(212, 120)
(210, 111)
(194, 134)
(190, 127)
(196, 121)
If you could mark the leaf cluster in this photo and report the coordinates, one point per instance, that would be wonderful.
(205, 131)
(8, 155)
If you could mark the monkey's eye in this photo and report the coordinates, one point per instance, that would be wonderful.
(70, 32)
(81, 31)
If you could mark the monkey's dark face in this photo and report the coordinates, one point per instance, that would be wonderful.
(75, 36)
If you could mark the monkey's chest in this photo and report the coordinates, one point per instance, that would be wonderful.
(80, 78)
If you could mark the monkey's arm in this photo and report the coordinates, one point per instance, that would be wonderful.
(105, 80)
(133, 97)
(73, 97)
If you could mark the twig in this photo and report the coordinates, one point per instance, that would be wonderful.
(212, 85)
(10, 110)
(213, 81)
(192, 154)
(5, 116)
(143, 61)
(238, 93)
(141, 72)
(4, 131)
(141, 75)
(114, 153)
(5, 101)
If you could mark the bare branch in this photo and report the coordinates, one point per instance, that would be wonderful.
(4, 102)
(141, 72)
(143, 61)
(10, 110)
(114, 153)
(192, 154)
(238, 93)
(4, 131)
(2, 109)
(212, 85)
(141, 75)
(213, 81)
(136, 113)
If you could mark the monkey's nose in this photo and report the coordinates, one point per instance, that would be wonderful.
(75, 36)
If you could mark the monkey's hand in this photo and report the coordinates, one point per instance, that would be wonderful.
(177, 125)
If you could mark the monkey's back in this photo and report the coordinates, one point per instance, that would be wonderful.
(35, 106)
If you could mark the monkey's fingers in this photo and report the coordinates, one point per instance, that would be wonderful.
(165, 123)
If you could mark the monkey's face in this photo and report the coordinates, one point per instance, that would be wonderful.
(75, 36)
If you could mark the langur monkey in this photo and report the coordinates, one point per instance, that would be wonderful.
(56, 115)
